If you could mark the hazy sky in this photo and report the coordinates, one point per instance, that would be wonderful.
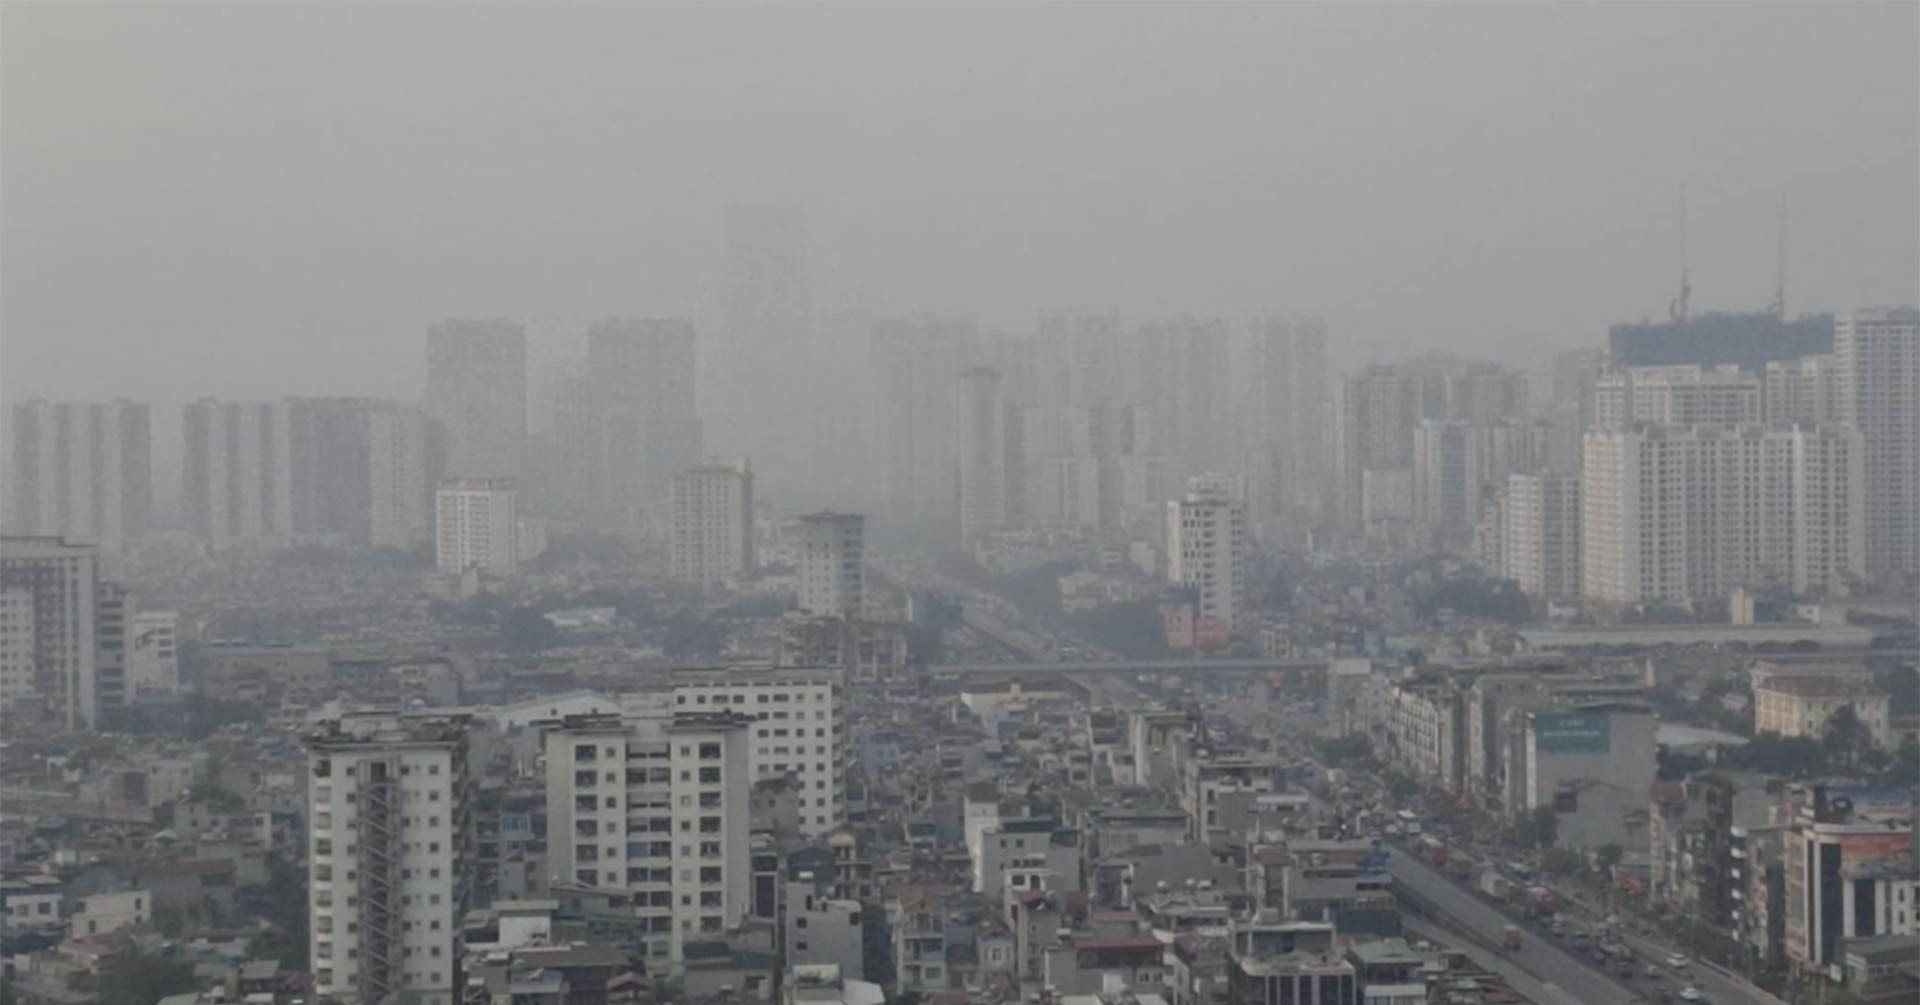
(271, 198)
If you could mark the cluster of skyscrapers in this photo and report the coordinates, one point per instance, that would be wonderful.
(1782, 461)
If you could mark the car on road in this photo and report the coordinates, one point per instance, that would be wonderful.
(1691, 994)
(1678, 961)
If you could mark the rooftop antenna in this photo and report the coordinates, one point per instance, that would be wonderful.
(1677, 309)
(1779, 307)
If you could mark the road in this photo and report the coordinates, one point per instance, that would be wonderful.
(1546, 960)
(1538, 956)
(1516, 976)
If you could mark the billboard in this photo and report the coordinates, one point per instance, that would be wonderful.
(1571, 732)
(1893, 850)
(1861, 805)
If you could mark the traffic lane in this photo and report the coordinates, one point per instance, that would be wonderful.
(1516, 976)
(1537, 955)
(1718, 987)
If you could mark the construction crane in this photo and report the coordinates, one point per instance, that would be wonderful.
(1779, 306)
(1677, 308)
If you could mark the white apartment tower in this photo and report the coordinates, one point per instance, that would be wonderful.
(1687, 514)
(800, 730)
(711, 523)
(52, 586)
(832, 558)
(1877, 355)
(398, 479)
(237, 477)
(1677, 395)
(1207, 553)
(389, 868)
(655, 802)
(1540, 544)
(476, 526)
(82, 471)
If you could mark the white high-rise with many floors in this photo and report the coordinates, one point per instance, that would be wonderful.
(1877, 355)
(1687, 514)
(800, 732)
(476, 526)
(1540, 529)
(655, 802)
(389, 857)
(1207, 553)
(237, 477)
(710, 530)
(831, 551)
(82, 471)
(1678, 395)
(55, 584)
(398, 478)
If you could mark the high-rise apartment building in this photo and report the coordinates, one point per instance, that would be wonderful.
(477, 393)
(1686, 514)
(1379, 409)
(643, 423)
(1290, 392)
(19, 642)
(1806, 389)
(917, 368)
(1678, 395)
(710, 528)
(476, 526)
(55, 586)
(1877, 355)
(400, 477)
(236, 484)
(655, 802)
(389, 856)
(983, 454)
(330, 469)
(1457, 462)
(800, 732)
(1207, 545)
(1540, 533)
(1182, 370)
(82, 471)
(832, 563)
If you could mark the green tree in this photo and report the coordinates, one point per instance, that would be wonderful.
(133, 979)
(1904, 768)
(1845, 743)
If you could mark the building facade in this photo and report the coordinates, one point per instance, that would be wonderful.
(1680, 515)
(831, 551)
(389, 856)
(1877, 354)
(654, 802)
(711, 523)
(799, 732)
(82, 471)
(1207, 549)
(53, 587)
(476, 526)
